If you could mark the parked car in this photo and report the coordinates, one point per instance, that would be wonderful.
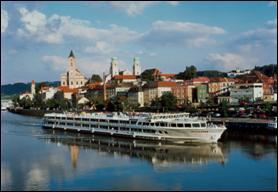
(262, 115)
(246, 115)
(216, 115)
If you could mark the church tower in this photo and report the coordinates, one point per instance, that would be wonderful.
(114, 69)
(71, 62)
(33, 89)
(136, 66)
(71, 70)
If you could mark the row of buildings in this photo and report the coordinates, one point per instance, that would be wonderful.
(250, 86)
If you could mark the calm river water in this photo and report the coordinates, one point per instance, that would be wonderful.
(36, 159)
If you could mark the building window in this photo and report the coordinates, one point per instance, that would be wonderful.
(81, 82)
(71, 83)
(76, 82)
(64, 83)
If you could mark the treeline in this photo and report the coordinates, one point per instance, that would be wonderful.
(17, 88)
(268, 70)
(191, 72)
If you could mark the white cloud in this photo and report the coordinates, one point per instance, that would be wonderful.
(55, 28)
(260, 37)
(272, 24)
(146, 53)
(227, 61)
(251, 48)
(180, 33)
(57, 63)
(132, 7)
(98, 64)
(33, 20)
(4, 20)
(174, 3)
(100, 47)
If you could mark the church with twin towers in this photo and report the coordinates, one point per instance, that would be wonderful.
(73, 78)
(114, 68)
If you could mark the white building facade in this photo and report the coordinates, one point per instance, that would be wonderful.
(114, 68)
(73, 77)
(252, 91)
(136, 68)
(237, 72)
(48, 93)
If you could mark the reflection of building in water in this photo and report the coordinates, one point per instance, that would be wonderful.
(74, 151)
(157, 153)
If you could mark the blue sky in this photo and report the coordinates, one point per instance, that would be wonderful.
(36, 37)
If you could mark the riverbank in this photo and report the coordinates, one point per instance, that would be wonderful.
(236, 125)
(32, 112)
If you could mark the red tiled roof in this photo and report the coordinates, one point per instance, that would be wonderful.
(167, 75)
(100, 87)
(200, 79)
(93, 85)
(165, 84)
(66, 89)
(221, 79)
(256, 77)
(124, 77)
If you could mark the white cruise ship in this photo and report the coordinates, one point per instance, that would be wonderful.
(177, 127)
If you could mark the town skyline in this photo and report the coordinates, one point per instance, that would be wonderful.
(39, 36)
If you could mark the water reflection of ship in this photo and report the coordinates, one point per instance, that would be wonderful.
(158, 153)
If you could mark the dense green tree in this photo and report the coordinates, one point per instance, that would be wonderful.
(38, 102)
(26, 103)
(156, 104)
(223, 108)
(168, 102)
(268, 70)
(51, 104)
(110, 106)
(211, 73)
(147, 75)
(95, 78)
(15, 100)
(117, 104)
(39, 85)
(95, 101)
(189, 73)
(267, 107)
(73, 101)
(100, 106)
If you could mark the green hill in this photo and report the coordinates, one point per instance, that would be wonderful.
(17, 88)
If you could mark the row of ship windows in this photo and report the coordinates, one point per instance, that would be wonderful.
(158, 124)
(164, 124)
(96, 120)
(111, 127)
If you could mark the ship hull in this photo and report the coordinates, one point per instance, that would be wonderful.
(210, 135)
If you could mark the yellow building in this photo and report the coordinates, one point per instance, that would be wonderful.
(73, 77)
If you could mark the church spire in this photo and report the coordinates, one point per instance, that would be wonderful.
(71, 54)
